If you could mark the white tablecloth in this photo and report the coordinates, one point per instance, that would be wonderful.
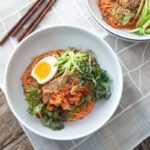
(131, 122)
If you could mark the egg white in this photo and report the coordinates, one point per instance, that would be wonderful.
(52, 61)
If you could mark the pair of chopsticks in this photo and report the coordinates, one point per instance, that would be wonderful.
(31, 27)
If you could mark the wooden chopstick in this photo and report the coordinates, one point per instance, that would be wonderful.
(36, 20)
(14, 27)
(28, 16)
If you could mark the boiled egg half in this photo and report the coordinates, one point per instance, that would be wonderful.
(45, 69)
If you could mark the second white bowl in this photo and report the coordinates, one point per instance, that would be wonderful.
(121, 33)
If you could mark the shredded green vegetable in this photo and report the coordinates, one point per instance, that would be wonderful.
(143, 24)
(70, 60)
(33, 97)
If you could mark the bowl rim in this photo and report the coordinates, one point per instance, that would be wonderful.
(21, 120)
(109, 31)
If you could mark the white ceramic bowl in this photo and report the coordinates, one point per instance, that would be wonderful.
(54, 38)
(121, 33)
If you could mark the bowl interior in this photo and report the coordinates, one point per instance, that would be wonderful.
(55, 38)
(122, 33)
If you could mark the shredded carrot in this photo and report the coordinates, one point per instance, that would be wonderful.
(106, 7)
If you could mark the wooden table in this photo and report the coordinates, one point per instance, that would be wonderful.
(12, 137)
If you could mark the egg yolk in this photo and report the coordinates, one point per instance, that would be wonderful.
(42, 70)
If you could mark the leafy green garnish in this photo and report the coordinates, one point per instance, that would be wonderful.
(51, 119)
(126, 19)
(37, 109)
(56, 125)
(103, 90)
(86, 99)
(33, 97)
(98, 78)
(119, 17)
